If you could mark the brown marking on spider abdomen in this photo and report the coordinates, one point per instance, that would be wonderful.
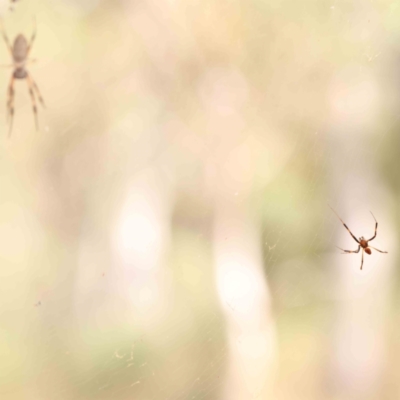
(367, 250)
(363, 243)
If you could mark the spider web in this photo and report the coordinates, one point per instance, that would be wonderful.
(170, 237)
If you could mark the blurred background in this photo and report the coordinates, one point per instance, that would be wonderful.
(166, 233)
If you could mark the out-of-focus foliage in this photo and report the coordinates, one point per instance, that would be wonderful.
(196, 103)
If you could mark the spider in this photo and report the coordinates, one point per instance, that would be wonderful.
(362, 242)
(19, 52)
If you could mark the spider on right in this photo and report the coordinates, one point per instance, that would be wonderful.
(362, 243)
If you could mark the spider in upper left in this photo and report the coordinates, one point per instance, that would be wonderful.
(20, 52)
(362, 242)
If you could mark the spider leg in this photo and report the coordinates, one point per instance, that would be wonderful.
(5, 37)
(35, 86)
(10, 104)
(32, 94)
(376, 228)
(349, 251)
(380, 251)
(32, 37)
(345, 225)
(362, 258)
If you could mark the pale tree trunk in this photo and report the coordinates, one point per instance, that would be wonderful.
(141, 239)
(131, 281)
(245, 299)
(240, 278)
(231, 161)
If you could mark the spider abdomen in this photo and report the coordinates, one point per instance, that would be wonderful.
(368, 250)
(20, 48)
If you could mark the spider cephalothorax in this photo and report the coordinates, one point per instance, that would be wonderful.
(362, 242)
